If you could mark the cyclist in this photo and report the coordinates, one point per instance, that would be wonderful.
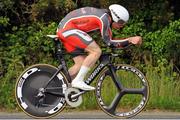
(73, 29)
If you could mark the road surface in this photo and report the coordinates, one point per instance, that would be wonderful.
(95, 115)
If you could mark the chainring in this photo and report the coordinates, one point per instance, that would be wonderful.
(73, 102)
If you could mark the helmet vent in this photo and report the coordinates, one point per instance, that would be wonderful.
(115, 14)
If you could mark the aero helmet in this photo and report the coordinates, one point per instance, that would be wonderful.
(119, 13)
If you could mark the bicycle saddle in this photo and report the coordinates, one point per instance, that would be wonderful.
(52, 36)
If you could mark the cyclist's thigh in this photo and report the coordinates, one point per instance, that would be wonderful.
(93, 47)
(75, 39)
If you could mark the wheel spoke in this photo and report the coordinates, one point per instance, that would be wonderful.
(118, 84)
(115, 102)
(134, 91)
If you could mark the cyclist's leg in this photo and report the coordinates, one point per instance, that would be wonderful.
(94, 54)
(70, 42)
(80, 41)
(75, 40)
(78, 60)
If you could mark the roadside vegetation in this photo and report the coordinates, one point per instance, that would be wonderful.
(24, 25)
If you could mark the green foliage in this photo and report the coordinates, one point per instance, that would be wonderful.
(23, 42)
(164, 43)
(43, 9)
(26, 46)
(4, 21)
(6, 5)
(154, 13)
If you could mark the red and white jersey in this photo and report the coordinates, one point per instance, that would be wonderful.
(89, 19)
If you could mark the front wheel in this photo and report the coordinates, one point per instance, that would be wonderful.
(37, 98)
(122, 91)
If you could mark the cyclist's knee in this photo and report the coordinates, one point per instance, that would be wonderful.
(94, 50)
(98, 52)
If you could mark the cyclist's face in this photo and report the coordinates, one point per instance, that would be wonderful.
(116, 25)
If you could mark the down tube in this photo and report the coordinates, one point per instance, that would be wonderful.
(104, 61)
(94, 73)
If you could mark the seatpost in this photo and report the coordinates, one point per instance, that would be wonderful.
(60, 55)
(58, 49)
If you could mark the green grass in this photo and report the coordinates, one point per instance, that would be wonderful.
(164, 90)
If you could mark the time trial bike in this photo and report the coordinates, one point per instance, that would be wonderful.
(42, 90)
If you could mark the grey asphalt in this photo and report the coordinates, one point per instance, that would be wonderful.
(95, 114)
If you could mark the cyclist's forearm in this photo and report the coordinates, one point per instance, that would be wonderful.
(120, 42)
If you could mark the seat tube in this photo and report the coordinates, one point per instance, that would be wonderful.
(60, 57)
(65, 68)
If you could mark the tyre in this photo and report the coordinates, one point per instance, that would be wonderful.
(37, 98)
(123, 95)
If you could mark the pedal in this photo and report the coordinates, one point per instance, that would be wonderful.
(75, 101)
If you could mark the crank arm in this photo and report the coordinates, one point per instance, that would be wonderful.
(77, 95)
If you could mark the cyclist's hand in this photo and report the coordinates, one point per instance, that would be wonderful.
(137, 40)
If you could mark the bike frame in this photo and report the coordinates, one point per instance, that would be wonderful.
(59, 85)
(105, 60)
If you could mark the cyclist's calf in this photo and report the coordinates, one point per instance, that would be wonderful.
(73, 71)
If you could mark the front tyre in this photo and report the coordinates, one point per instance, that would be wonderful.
(35, 100)
(122, 91)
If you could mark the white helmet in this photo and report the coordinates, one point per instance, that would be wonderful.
(119, 12)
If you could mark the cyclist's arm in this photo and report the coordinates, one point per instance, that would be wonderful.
(107, 35)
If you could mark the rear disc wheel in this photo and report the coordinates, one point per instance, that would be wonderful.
(35, 100)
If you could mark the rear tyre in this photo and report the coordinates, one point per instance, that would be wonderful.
(36, 100)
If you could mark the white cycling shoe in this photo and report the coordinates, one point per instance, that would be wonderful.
(81, 85)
